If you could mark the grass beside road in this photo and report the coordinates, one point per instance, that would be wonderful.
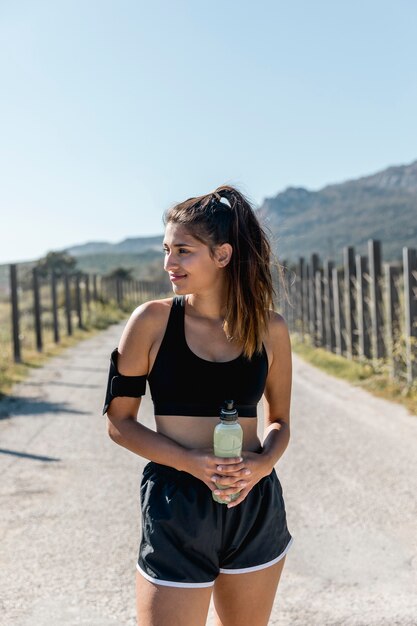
(372, 377)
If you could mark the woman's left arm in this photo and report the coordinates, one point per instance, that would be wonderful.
(277, 399)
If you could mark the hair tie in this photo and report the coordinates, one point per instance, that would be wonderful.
(217, 197)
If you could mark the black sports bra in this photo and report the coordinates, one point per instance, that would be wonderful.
(182, 383)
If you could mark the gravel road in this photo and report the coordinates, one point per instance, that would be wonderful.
(69, 528)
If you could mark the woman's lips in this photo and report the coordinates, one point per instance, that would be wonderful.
(176, 277)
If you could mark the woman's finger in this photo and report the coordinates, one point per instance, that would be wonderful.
(238, 500)
(229, 491)
(228, 480)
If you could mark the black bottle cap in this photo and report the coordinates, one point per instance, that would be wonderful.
(228, 413)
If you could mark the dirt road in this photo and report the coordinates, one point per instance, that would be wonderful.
(69, 527)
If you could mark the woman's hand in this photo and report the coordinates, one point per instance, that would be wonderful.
(203, 465)
(240, 476)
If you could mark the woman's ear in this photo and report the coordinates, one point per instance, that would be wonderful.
(223, 254)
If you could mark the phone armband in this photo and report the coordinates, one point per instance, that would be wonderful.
(119, 385)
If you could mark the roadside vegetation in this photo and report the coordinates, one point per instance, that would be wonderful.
(372, 376)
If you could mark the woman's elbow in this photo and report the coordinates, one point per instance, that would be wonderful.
(113, 432)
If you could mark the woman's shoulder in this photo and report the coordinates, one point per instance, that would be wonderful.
(277, 335)
(143, 328)
(153, 309)
(150, 316)
(276, 322)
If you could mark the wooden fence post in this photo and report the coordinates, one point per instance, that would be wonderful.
(292, 295)
(349, 300)
(54, 306)
(15, 314)
(68, 303)
(78, 303)
(375, 256)
(392, 303)
(364, 349)
(328, 305)
(321, 332)
(306, 299)
(283, 290)
(300, 302)
(37, 309)
(95, 294)
(410, 302)
(338, 314)
(87, 292)
(314, 266)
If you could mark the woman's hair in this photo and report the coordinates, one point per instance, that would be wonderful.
(249, 280)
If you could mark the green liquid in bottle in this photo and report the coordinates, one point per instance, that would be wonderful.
(227, 440)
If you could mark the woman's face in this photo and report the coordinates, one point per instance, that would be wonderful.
(188, 262)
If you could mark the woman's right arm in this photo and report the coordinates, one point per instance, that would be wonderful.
(138, 337)
(145, 327)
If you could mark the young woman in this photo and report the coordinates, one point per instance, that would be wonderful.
(217, 339)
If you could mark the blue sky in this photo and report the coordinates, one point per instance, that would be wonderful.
(110, 111)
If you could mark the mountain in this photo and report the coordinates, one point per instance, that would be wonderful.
(131, 245)
(381, 206)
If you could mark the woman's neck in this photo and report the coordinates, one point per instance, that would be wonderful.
(209, 306)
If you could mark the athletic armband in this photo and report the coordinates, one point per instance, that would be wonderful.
(119, 385)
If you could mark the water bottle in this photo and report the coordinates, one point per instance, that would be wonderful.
(227, 440)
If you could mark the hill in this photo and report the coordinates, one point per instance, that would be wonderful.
(381, 206)
(131, 245)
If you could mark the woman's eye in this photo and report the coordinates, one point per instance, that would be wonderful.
(183, 251)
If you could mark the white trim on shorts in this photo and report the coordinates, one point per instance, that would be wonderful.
(243, 570)
(255, 568)
(170, 583)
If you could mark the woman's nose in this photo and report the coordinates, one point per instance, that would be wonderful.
(169, 262)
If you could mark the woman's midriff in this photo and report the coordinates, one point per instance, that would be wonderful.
(197, 432)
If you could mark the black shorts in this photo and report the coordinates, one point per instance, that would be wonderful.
(188, 538)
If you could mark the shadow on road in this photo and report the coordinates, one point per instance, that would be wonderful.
(13, 406)
(25, 455)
